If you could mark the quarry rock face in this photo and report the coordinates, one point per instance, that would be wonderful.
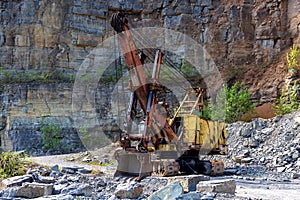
(56, 36)
(37, 35)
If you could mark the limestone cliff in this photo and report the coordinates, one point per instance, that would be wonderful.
(41, 34)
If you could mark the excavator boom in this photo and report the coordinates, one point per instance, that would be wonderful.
(140, 82)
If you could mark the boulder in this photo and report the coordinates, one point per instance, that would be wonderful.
(189, 182)
(171, 191)
(16, 180)
(190, 196)
(43, 179)
(128, 191)
(217, 186)
(70, 170)
(78, 190)
(34, 190)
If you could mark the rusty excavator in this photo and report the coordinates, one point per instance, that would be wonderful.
(166, 145)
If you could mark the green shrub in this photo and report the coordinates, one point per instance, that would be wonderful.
(231, 104)
(12, 164)
(237, 102)
(288, 101)
(293, 59)
(34, 76)
(51, 135)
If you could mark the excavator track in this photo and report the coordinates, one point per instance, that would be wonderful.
(165, 167)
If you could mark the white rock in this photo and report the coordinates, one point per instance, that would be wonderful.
(16, 180)
(189, 182)
(34, 190)
(129, 191)
(280, 169)
(218, 186)
(171, 192)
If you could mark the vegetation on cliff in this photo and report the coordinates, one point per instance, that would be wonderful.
(289, 100)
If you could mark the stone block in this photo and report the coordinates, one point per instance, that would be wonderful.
(205, 2)
(131, 191)
(16, 180)
(43, 179)
(70, 170)
(189, 182)
(34, 190)
(78, 190)
(217, 186)
(190, 196)
(171, 191)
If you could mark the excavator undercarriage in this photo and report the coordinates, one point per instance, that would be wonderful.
(165, 145)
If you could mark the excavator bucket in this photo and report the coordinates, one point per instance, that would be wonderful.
(133, 163)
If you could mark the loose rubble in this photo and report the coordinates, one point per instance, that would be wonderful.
(265, 148)
(71, 184)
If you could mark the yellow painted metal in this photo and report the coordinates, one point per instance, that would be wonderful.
(203, 133)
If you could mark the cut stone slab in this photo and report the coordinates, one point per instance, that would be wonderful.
(129, 191)
(43, 179)
(84, 171)
(71, 170)
(170, 192)
(78, 190)
(190, 196)
(34, 190)
(189, 182)
(217, 186)
(16, 180)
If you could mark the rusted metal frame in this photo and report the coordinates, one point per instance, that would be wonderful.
(131, 111)
(138, 75)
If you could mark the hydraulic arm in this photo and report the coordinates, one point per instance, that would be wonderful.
(140, 83)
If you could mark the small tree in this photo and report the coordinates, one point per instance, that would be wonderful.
(51, 135)
(293, 59)
(237, 102)
(231, 104)
(288, 101)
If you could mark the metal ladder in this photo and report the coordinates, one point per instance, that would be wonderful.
(188, 105)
